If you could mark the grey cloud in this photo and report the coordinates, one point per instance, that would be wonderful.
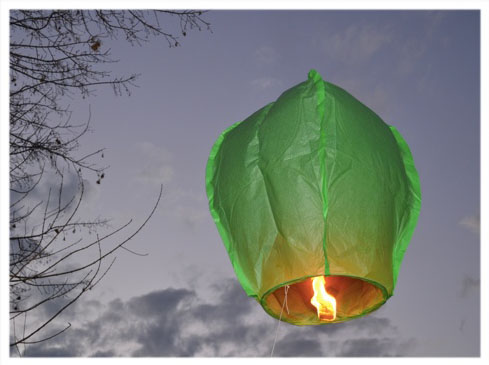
(322, 340)
(172, 334)
(191, 214)
(52, 189)
(468, 284)
(291, 346)
(472, 223)
(156, 303)
(414, 49)
(155, 164)
(265, 55)
(163, 338)
(367, 347)
(188, 206)
(52, 351)
(372, 325)
(237, 303)
(176, 322)
(51, 180)
(357, 43)
(109, 353)
(266, 82)
(462, 324)
(50, 308)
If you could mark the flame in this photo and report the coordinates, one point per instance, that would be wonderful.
(322, 300)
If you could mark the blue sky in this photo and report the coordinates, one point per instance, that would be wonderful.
(419, 70)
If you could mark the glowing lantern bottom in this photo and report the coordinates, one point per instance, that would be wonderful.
(354, 297)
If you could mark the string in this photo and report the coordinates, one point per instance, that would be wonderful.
(286, 288)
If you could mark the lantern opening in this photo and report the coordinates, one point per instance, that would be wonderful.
(347, 298)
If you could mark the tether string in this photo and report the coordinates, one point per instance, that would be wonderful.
(286, 288)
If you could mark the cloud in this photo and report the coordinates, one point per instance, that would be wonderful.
(191, 215)
(152, 304)
(104, 354)
(357, 43)
(154, 164)
(468, 284)
(472, 223)
(265, 55)
(292, 346)
(413, 49)
(462, 324)
(53, 351)
(376, 347)
(266, 83)
(188, 206)
(53, 192)
(410, 52)
(178, 322)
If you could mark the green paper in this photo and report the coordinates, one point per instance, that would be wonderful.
(312, 184)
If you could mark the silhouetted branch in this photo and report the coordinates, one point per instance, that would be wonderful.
(56, 54)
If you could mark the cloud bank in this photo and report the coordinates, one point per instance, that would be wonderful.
(177, 322)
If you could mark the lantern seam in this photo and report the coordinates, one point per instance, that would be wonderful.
(321, 97)
(266, 184)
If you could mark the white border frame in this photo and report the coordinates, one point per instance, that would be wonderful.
(5, 7)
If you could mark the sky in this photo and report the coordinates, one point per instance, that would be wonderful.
(418, 70)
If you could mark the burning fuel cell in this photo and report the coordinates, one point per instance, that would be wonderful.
(314, 193)
(322, 300)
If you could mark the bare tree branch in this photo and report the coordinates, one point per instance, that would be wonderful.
(55, 55)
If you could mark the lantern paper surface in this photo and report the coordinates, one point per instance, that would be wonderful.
(314, 184)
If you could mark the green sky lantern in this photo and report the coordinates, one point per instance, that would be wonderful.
(316, 199)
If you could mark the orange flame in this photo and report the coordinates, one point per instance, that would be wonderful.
(322, 300)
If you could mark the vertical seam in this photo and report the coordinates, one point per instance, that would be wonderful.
(321, 96)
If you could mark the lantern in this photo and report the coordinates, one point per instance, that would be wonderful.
(315, 199)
